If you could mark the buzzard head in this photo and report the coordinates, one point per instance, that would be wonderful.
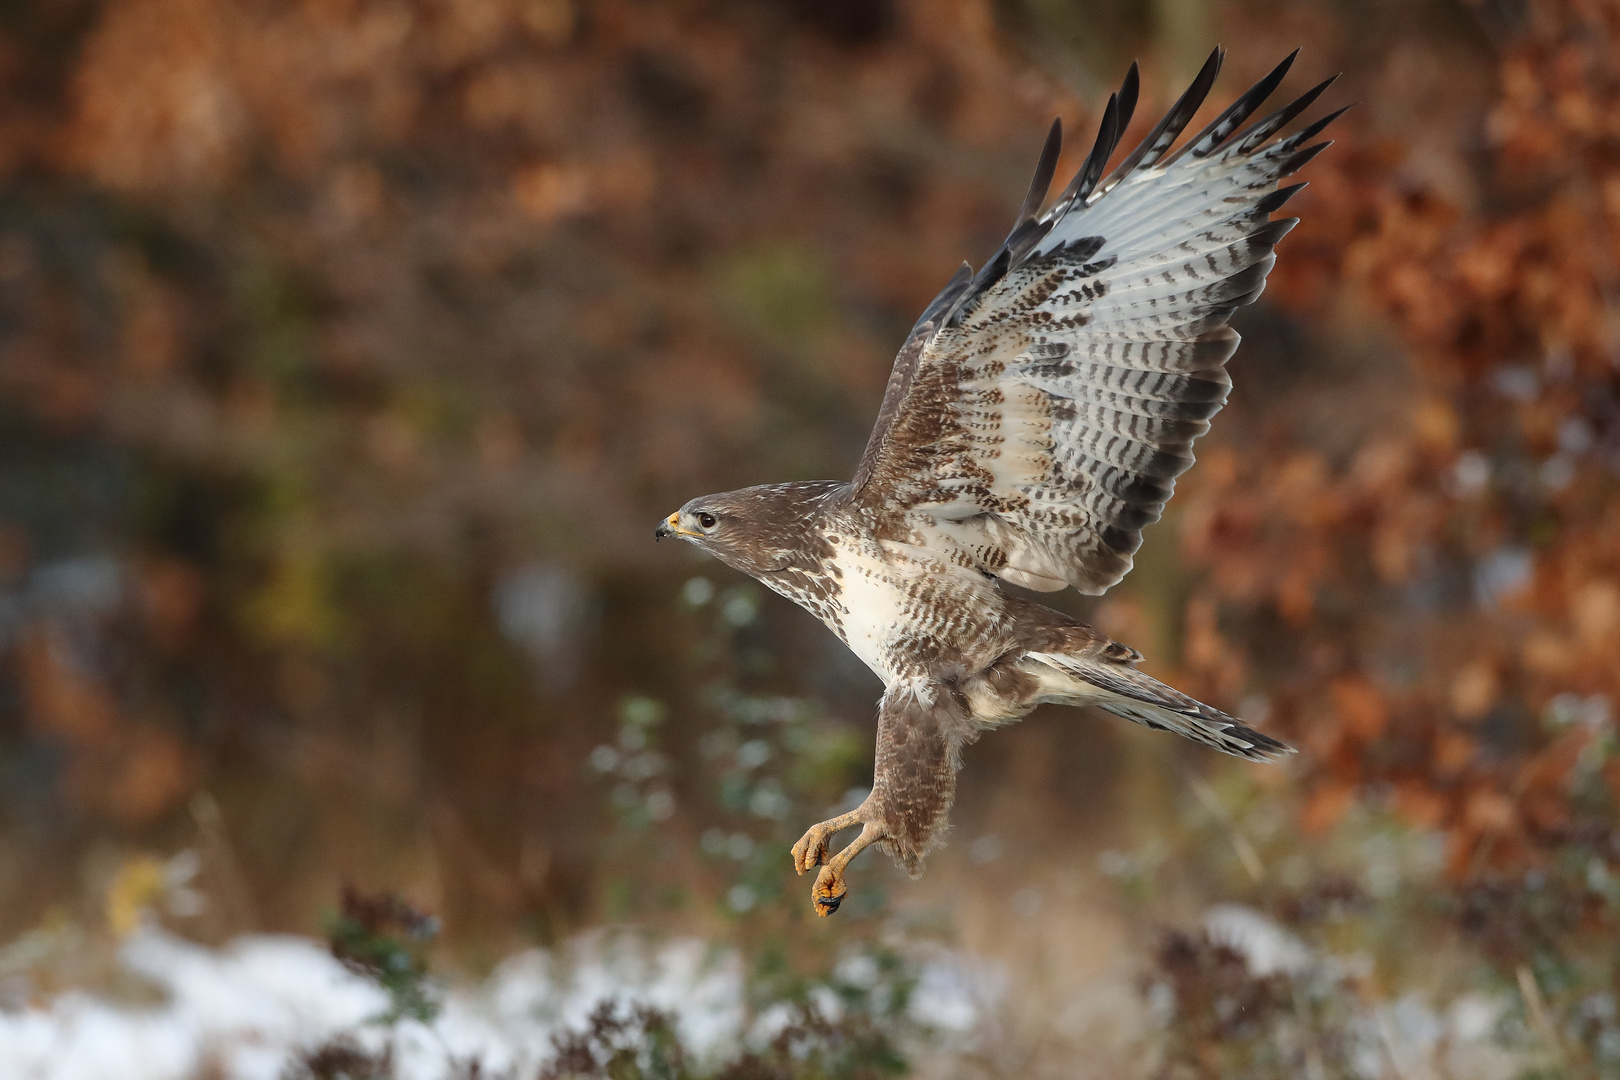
(757, 530)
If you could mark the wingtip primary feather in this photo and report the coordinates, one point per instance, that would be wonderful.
(946, 299)
(1219, 130)
(1312, 129)
(1045, 167)
(1301, 158)
(1277, 199)
(1129, 91)
(1261, 130)
(1091, 170)
(1262, 747)
(1165, 132)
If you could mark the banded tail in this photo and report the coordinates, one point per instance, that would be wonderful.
(1140, 697)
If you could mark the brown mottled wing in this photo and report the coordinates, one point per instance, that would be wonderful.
(905, 368)
(1039, 415)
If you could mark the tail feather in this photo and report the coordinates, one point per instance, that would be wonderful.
(1144, 699)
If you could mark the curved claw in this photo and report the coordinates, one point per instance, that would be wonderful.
(827, 905)
(829, 891)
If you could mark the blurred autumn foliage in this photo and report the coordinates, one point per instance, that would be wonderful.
(1441, 600)
(349, 351)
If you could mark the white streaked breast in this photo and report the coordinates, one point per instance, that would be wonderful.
(873, 600)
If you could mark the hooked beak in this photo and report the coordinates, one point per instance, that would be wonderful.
(671, 526)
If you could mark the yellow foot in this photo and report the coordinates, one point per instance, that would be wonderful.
(829, 891)
(811, 850)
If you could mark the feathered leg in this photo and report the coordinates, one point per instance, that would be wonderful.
(922, 726)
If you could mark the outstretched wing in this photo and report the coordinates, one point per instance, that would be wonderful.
(1042, 408)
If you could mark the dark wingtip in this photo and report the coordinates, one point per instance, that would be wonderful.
(1129, 91)
(1336, 113)
(1300, 159)
(1085, 180)
(1307, 133)
(1164, 133)
(1261, 130)
(1223, 126)
(1258, 745)
(937, 308)
(1263, 747)
(1044, 168)
(1277, 199)
(990, 273)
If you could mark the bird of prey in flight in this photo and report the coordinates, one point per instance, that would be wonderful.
(1035, 420)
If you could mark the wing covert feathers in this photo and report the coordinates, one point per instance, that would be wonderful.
(1039, 413)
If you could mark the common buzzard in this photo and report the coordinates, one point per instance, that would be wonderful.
(1036, 419)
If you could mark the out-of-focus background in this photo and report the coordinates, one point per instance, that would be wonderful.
(350, 350)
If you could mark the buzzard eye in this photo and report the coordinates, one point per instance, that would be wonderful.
(706, 520)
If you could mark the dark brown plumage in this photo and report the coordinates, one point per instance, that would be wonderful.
(1035, 421)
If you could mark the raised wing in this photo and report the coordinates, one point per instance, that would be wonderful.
(1042, 408)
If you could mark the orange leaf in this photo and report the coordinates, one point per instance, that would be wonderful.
(1327, 805)
(1361, 706)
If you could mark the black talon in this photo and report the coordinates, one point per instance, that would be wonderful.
(831, 902)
